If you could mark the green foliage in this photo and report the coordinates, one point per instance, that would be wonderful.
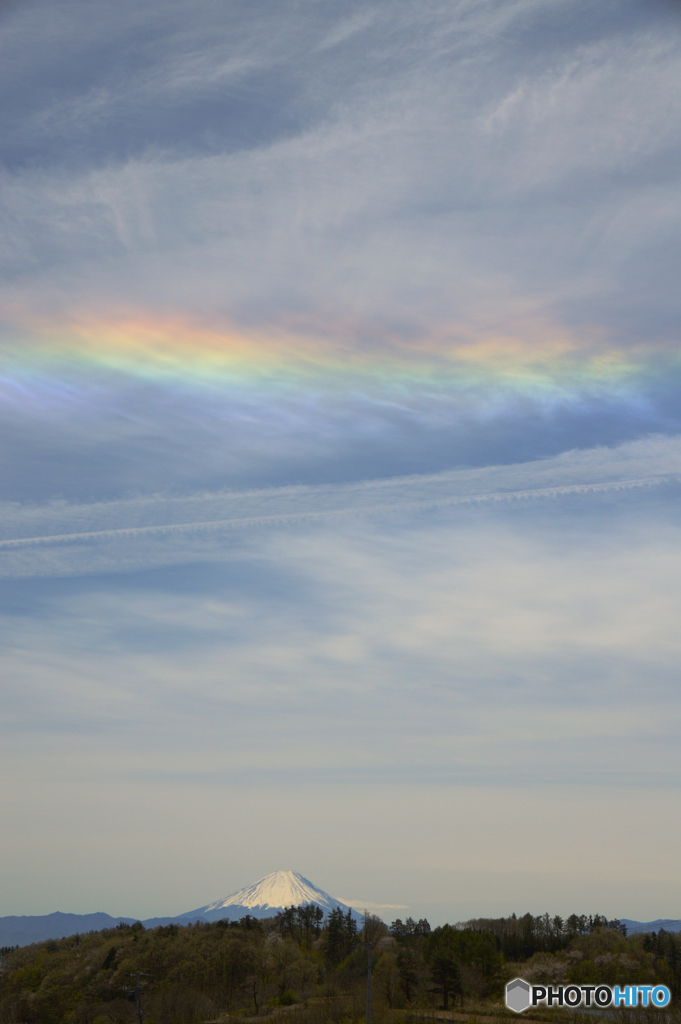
(442, 950)
(303, 923)
(386, 978)
(519, 938)
(109, 959)
(446, 974)
(409, 928)
(603, 956)
(340, 936)
(407, 966)
(316, 970)
(476, 955)
(373, 928)
(665, 948)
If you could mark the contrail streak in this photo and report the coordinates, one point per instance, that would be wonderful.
(311, 515)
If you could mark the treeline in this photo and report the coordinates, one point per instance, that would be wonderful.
(314, 969)
(521, 937)
(665, 949)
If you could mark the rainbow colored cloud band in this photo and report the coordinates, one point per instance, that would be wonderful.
(535, 360)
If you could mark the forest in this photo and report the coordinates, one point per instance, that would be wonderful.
(307, 969)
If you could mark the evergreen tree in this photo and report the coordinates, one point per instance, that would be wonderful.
(446, 974)
(407, 966)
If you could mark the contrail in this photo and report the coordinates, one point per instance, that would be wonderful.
(310, 515)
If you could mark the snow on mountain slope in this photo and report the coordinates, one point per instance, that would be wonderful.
(272, 893)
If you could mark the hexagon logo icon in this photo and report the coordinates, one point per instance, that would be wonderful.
(518, 995)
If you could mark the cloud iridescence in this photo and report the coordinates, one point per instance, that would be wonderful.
(339, 395)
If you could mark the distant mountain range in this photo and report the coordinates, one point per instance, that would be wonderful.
(264, 899)
(652, 926)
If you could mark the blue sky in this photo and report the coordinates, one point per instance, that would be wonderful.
(341, 454)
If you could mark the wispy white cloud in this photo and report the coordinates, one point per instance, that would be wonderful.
(431, 142)
(373, 907)
(465, 655)
(61, 537)
(346, 28)
(581, 98)
(455, 679)
(329, 697)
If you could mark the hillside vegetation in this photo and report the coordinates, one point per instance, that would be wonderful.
(298, 967)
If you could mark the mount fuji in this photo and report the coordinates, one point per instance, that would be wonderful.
(271, 894)
(265, 898)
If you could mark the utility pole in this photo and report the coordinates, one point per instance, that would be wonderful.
(368, 945)
(137, 996)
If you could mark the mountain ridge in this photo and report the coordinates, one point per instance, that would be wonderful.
(267, 896)
(668, 923)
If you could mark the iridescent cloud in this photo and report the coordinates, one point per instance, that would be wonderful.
(532, 359)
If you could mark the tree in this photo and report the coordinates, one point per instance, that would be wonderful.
(257, 967)
(301, 922)
(374, 928)
(341, 936)
(387, 977)
(407, 967)
(446, 974)
(406, 929)
(442, 949)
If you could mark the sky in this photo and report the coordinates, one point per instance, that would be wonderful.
(340, 459)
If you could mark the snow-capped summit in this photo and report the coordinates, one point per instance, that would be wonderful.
(265, 898)
(275, 892)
